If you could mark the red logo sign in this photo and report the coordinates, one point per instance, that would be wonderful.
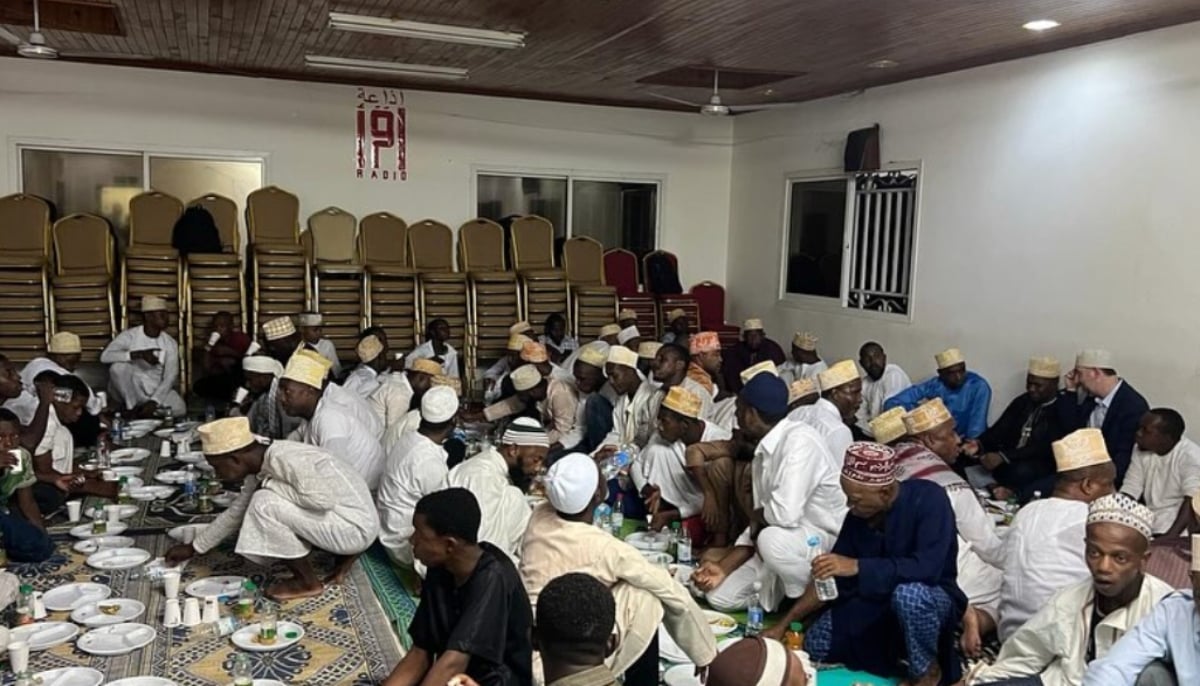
(380, 135)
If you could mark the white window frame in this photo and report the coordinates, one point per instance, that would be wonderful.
(571, 176)
(840, 304)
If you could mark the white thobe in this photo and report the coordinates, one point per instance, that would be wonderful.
(45, 364)
(663, 465)
(1163, 482)
(568, 346)
(356, 406)
(1043, 552)
(724, 412)
(392, 400)
(1053, 643)
(410, 422)
(793, 371)
(135, 381)
(362, 381)
(302, 498)
(327, 350)
(24, 406)
(504, 510)
(498, 369)
(58, 441)
(890, 383)
(416, 467)
(826, 419)
(635, 418)
(425, 352)
(344, 434)
(562, 412)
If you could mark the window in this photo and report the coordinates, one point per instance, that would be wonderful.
(500, 198)
(851, 239)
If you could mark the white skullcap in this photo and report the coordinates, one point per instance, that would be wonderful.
(525, 431)
(310, 319)
(619, 354)
(1118, 508)
(153, 303)
(571, 483)
(752, 324)
(369, 348)
(610, 330)
(261, 364)
(628, 334)
(520, 327)
(1095, 359)
(439, 404)
(65, 343)
(525, 377)
(277, 328)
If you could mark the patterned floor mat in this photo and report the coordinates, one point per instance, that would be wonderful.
(394, 588)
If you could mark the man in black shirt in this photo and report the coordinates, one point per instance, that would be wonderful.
(474, 616)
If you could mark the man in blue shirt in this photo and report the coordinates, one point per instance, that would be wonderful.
(1163, 649)
(966, 394)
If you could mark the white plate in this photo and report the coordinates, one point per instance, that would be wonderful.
(44, 635)
(215, 586)
(144, 424)
(194, 457)
(154, 492)
(644, 540)
(720, 623)
(186, 426)
(143, 681)
(70, 676)
(90, 615)
(224, 499)
(681, 675)
(94, 545)
(70, 596)
(176, 434)
(85, 530)
(171, 476)
(126, 471)
(126, 455)
(245, 637)
(118, 558)
(268, 682)
(123, 511)
(186, 533)
(117, 639)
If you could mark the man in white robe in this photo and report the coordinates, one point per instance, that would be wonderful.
(261, 402)
(494, 376)
(1043, 550)
(670, 369)
(62, 357)
(1165, 471)
(400, 391)
(366, 378)
(805, 363)
(500, 477)
(330, 418)
(312, 335)
(416, 467)
(636, 407)
(143, 364)
(32, 408)
(295, 498)
(880, 382)
(841, 396)
(437, 348)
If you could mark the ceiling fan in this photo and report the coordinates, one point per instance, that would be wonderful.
(715, 108)
(36, 47)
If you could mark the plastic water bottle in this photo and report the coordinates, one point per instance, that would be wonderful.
(683, 549)
(754, 612)
(617, 518)
(242, 676)
(210, 413)
(118, 429)
(613, 465)
(102, 457)
(826, 588)
(189, 487)
(673, 541)
(602, 517)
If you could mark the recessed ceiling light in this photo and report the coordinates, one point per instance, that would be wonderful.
(1041, 25)
(769, 91)
(883, 64)
(419, 71)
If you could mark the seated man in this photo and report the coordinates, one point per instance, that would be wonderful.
(437, 348)
(636, 408)
(630, 337)
(561, 539)
(62, 357)
(222, 355)
(1163, 649)
(331, 419)
(1081, 622)
(554, 337)
(143, 364)
(1042, 550)
(802, 393)
(31, 406)
(832, 415)
(1165, 471)
(397, 403)
(500, 478)
(495, 375)
(365, 379)
(474, 617)
(530, 390)
(281, 339)
(796, 497)
(966, 394)
(312, 335)
(647, 355)
(416, 467)
(677, 325)
(25, 537)
(670, 370)
(754, 347)
(261, 404)
(54, 456)
(592, 420)
(1110, 404)
(881, 380)
(895, 566)
(757, 662)
(573, 630)
(1016, 449)
(705, 369)
(805, 362)
(295, 498)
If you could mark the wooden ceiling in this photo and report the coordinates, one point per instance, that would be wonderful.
(597, 51)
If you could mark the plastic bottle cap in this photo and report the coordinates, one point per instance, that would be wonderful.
(796, 626)
(813, 541)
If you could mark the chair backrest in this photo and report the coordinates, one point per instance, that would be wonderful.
(431, 246)
(532, 243)
(273, 216)
(152, 217)
(671, 273)
(24, 226)
(225, 215)
(583, 260)
(383, 239)
(334, 236)
(710, 298)
(481, 246)
(621, 272)
(83, 245)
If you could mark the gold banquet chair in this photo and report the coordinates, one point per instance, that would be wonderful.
(593, 304)
(441, 292)
(543, 284)
(81, 288)
(493, 301)
(390, 284)
(150, 264)
(337, 277)
(24, 263)
(213, 281)
(279, 268)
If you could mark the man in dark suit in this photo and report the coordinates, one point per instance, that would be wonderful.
(1110, 404)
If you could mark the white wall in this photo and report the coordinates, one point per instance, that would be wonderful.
(1060, 208)
(307, 130)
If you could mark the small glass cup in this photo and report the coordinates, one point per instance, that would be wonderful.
(267, 626)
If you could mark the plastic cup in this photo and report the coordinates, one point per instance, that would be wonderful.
(172, 615)
(213, 339)
(171, 586)
(240, 396)
(108, 475)
(74, 510)
(191, 612)
(18, 656)
(113, 513)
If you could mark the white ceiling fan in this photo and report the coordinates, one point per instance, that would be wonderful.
(35, 47)
(715, 108)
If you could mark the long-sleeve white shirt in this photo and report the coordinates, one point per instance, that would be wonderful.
(139, 381)
(44, 364)
(58, 442)
(795, 482)
(505, 512)
(416, 467)
(792, 370)
(392, 400)
(362, 381)
(634, 418)
(425, 352)
(826, 419)
(664, 465)
(346, 434)
(1163, 482)
(328, 350)
(874, 393)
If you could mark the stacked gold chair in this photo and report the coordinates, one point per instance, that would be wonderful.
(492, 300)
(390, 284)
(337, 277)
(593, 303)
(213, 281)
(543, 284)
(441, 292)
(278, 265)
(81, 288)
(150, 265)
(24, 261)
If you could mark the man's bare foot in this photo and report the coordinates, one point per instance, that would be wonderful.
(341, 568)
(294, 588)
(972, 641)
(931, 678)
